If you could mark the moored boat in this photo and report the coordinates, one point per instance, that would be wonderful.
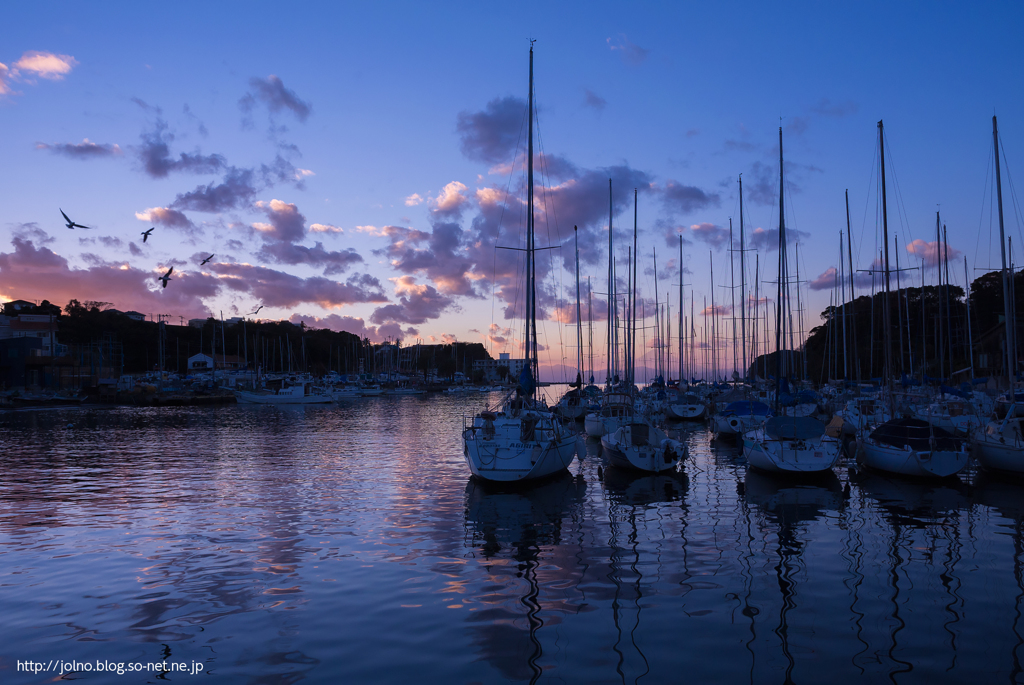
(639, 445)
(791, 444)
(912, 447)
(298, 393)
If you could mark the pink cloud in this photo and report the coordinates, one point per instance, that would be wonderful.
(932, 252)
(719, 309)
(45, 64)
(33, 273)
(355, 325)
(825, 281)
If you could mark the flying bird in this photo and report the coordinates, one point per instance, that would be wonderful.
(206, 260)
(166, 277)
(71, 224)
(257, 311)
(146, 234)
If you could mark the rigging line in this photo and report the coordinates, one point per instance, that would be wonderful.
(549, 218)
(901, 205)
(901, 216)
(867, 203)
(1013, 191)
(520, 280)
(985, 193)
(501, 216)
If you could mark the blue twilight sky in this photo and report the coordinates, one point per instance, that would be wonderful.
(347, 164)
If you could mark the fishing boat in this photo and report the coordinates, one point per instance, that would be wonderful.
(644, 447)
(520, 440)
(296, 393)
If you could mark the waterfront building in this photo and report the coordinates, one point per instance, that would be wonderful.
(489, 367)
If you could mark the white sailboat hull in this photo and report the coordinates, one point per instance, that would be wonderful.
(737, 424)
(568, 411)
(686, 412)
(996, 456)
(909, 462)
(499, 453)
(654, 455)
(790, 456)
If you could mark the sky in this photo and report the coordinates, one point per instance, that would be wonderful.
(354, 166)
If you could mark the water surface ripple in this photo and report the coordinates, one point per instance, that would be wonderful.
(348, 544)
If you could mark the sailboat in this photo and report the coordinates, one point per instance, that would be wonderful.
(911, 447)
(520, 440)
(788, 444)
(1000, 447)
(642, 446)
(573, 404)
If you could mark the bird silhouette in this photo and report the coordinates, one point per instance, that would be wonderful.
(146, 234)
(166, 277)
(206, 260)
(71, 224)
(257, 310)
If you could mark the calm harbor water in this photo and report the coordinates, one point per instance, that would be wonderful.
(348, 544)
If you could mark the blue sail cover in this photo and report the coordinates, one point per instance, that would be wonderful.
(526, 382)
(915, 434)
(794, 428)
(745, 408)
(952, 391)
(807, 397)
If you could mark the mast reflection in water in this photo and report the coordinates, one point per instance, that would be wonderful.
(348, 543)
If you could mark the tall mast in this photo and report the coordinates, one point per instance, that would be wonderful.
(714, 341)
(846, 359)
(938, 271)
(680, 309)
(949, 313)
(800, 315)
(967, 299)
(743, 286)
(633, 296)
(899, 305)
(1011, 352)
(757, 303)
(657, 318)
(732, 296)
(886, 313)
(590, 329)
(531, 295)
(627, 321)
(611, 294)
(779, 319)
(579, 319)
(853, 296)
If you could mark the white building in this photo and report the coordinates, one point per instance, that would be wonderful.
(204, 362)
(490, 367)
